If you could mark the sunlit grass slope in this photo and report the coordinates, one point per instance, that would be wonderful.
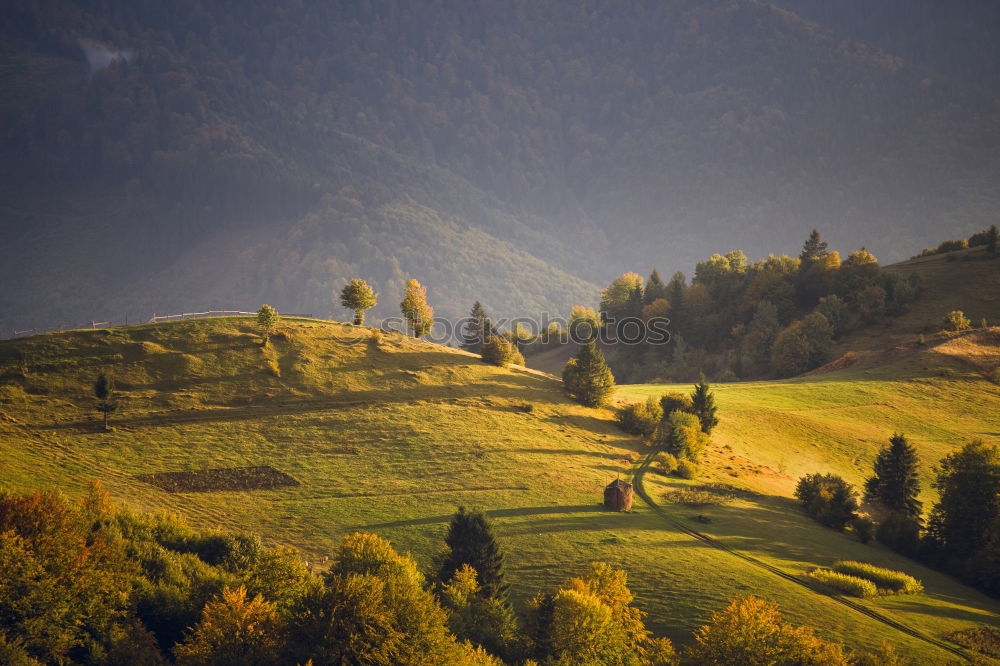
(773, 432)
(389, 434)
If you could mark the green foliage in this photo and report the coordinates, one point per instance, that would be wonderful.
(895, 484)
(852, 585)
(968, 483)
(471, 541)
(267, 320)
(655, 289)
(899, 532)
(886, 580)
(477, 329)
(992, 240)
(233, 631)
(703, 406)
(676, 402)
(686, 469)
(592, 620)
(500, 351)
(484, 621)
(751, 631)
(952, 246)
(828, 499)
(104, 391)
(359, 297)
(587, 376)
(418, 314)
(836, 312)
(665, 463)
(640, 418)
(584, 323)
(622, 298)
(864, 528)
(956, 321)
(680, 435)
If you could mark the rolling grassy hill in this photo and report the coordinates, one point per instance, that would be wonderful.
(387, 434)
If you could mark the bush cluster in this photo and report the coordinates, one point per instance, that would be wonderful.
(828, 499)
(852, 585)
(886, 580)
(500, 351)
(640, 418)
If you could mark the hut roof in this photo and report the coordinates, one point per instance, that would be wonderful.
(618, 483)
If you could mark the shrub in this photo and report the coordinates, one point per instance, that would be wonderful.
(979, 238)
(957, 321)
(828, 499)
(952, 245)
(675, 402)
(686, 469)
(665, 463)
(680, 434)
(886, 580)
(640, 418)
(864, 528)
(501, 352)
(852, 585)
(273, 368)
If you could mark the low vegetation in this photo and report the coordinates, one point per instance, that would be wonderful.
(846, 583)
(886, 580)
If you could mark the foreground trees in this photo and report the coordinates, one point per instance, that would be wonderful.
(751, 631)
(359, 297)
(471, 541)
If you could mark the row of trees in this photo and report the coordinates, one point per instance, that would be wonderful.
(962, 532)
(777, 316)
(989, 239)
(88, 584)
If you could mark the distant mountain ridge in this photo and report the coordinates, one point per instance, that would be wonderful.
(519, 154)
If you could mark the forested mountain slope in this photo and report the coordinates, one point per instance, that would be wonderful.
(222, 154)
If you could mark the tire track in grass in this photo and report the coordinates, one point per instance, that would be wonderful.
(640, 471)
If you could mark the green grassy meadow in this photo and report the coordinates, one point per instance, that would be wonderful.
(388, 434)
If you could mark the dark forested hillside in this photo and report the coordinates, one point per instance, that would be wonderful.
(220, 154)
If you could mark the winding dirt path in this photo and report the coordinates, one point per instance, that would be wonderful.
(704, 538)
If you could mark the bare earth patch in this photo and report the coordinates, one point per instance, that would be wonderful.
(264, 477)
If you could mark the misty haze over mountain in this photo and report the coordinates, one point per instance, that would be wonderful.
(224, 154)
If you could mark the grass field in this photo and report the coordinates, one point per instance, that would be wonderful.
(388, 434)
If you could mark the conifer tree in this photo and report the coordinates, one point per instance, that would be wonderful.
(895, 484)
(655, 288)
(358, 296)
(419, 315)
(703, 406)
(587, 376)
(477, 329)
(992, 237)
(968, 482)
(814, 248)
(104, 391)
(471, 541)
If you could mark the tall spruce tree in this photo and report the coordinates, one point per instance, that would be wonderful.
(655, 288)
(359, 297)
(814, 248)
(895, 484)
(587, 376)
(477, 328)
(703, 406)
(471, 541)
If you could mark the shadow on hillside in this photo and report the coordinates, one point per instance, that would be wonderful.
(498, 513)
(949, 612)
(253, 409)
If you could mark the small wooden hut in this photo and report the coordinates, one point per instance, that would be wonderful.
(618, 496)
